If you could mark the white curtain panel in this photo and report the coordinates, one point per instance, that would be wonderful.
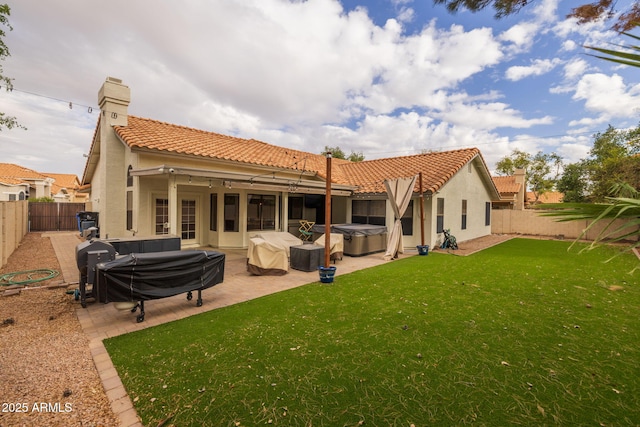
(399, 191)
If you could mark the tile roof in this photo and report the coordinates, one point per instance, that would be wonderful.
(548, 197)
(63, 180)
(155, 135)
(437, 167)
(506, 185)
(14, 174)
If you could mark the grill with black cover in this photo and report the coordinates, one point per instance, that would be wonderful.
(139, 277)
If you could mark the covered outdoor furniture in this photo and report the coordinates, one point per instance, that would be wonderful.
(359, 239)
(307, 257)
(269, 252)
(139, 277)
(336, 242)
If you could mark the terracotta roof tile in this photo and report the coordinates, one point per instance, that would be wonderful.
(437, 168)
(548, 197)
(10, 170)
(155, 135)
(506, 184)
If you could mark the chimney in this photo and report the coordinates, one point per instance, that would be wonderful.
(113, 99)
(520, 177)
(110, 185)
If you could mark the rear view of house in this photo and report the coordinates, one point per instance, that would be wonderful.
(152, 178)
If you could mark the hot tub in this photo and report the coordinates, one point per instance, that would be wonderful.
(359, 239)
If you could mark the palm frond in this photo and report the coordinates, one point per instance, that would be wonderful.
(625, 57)
(621, 208)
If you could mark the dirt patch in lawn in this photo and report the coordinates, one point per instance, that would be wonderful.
(47, 374)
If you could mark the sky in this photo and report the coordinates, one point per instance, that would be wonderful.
(383, 78)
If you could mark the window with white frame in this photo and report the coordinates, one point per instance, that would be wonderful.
(439, 215)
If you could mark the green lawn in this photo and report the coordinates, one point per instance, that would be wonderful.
(524, 333)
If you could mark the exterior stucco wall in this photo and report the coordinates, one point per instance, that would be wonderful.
(7, 190)
(468, 185)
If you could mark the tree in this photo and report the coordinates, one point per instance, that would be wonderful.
(337, 153)
(590, 12)
(541, 170)
(5, 121)
(573, 183)
(612, 161)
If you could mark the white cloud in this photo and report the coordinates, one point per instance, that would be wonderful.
(296, 73)
(575, 68)
(488, 116)
(569, 45)
(520, 36)
(608, 96)
(537, 68)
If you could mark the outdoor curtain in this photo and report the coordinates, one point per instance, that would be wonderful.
(399, 192)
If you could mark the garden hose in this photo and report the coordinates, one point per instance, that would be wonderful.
(32, 276)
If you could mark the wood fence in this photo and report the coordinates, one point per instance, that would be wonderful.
(54, 216)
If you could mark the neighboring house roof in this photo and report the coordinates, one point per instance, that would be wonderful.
(18, 174)
(548, 197)
(12, 174)
(507, 185)
(65, 181)
(437, 167)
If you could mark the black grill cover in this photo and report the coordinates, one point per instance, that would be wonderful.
(146, 276)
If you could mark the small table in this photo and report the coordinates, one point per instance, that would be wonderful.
(307, 257)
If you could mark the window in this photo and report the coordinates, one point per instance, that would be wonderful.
(440, 215)
(487, 213)
(12, 197)
(162, 216)
(21, 195)
(296, 205)
(368, 212)
(213, 212)
(188, 219)
(129, 177)
(464, 215)
(231, 212)
(261, 212)
(129, 210)
(407, 220)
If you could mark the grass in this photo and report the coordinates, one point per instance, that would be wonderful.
(524, 333)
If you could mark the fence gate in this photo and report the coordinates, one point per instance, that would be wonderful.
(45, 216)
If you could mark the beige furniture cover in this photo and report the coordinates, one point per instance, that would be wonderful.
(268, 253)
(336, 240)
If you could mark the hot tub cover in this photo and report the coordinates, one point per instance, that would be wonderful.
(350, 230)
(146, 276)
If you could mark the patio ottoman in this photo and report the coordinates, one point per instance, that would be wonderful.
(307, 257)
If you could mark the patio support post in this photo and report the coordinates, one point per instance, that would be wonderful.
(173, 205)
(327, 215)
(421, 211)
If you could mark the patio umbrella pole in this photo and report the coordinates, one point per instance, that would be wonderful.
(421, 211)
(327, 215)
